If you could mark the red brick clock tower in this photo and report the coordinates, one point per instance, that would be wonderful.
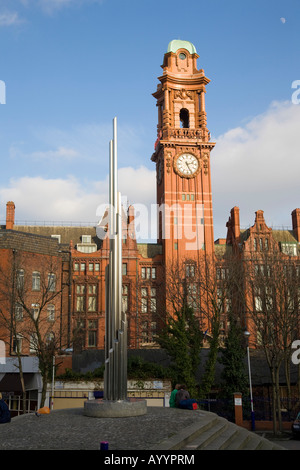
(182, 157)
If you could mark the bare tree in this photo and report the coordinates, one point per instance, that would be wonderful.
(206, 285)
(220, 280)
(10, 276)
(31, 288)
(181, 334)
(272, 306)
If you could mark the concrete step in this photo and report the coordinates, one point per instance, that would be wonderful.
(212, 432)
(182, 438)
(231, 437)
(252, 443)
(204, 438)
(222, 436)
(242, 439)
(266, 445)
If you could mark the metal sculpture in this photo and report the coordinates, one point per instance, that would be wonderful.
(115, 376)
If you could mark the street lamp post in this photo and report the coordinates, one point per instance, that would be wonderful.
(53, 378)
(247, 334)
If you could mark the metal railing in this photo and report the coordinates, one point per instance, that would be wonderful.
(15, 405)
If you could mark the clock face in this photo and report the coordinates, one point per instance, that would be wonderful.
(187, 165)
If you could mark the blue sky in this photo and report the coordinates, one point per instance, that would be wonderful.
(71, 66)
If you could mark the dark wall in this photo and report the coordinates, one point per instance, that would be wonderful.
(87, 361)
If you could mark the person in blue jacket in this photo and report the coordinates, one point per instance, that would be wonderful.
(4, 411)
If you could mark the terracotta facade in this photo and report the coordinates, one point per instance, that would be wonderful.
(184, 196)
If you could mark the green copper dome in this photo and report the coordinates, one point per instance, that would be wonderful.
(178, 44)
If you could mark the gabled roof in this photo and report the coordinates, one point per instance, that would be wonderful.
(221, 250)
(284, 236)
(67, 233)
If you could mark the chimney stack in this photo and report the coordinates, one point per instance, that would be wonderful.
(235, 217)
(10, 215)
(296, 223)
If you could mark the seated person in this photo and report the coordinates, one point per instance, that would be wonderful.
(172, 401)
(182, 394)
(183, 399)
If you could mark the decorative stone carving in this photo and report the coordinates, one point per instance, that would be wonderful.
(183, 94)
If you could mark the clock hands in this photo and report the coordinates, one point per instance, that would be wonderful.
(188, 166)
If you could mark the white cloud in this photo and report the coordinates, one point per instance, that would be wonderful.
(87, 141)
(257, 167)
(53, 5)
(138, 185)
(41, 199)
(69, 200)
(61, 152)
(50, 6)
(9, 19)
(83, 152)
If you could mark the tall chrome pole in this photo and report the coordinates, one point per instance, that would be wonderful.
(247, 334)
(115, 378)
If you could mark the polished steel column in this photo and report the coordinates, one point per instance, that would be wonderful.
(115, 377)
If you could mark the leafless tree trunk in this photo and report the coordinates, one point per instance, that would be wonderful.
(273, 289)
(31, 289)
(8, 321)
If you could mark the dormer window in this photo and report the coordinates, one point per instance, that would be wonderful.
(86, 245)
(58, 237)
(86, 239)
(289, 249)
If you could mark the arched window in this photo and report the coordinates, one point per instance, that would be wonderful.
(184, 118)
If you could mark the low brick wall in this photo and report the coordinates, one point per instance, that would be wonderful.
(74, 394)
(266, 425)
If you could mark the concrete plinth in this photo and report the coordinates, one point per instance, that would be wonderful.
(115, 409)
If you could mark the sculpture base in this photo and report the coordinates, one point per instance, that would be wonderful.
(115, 409)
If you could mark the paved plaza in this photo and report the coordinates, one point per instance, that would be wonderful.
(70, 429)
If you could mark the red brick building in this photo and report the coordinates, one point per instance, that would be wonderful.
(34, 279)
(185, 233)
(270, 277)
(85, 258)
